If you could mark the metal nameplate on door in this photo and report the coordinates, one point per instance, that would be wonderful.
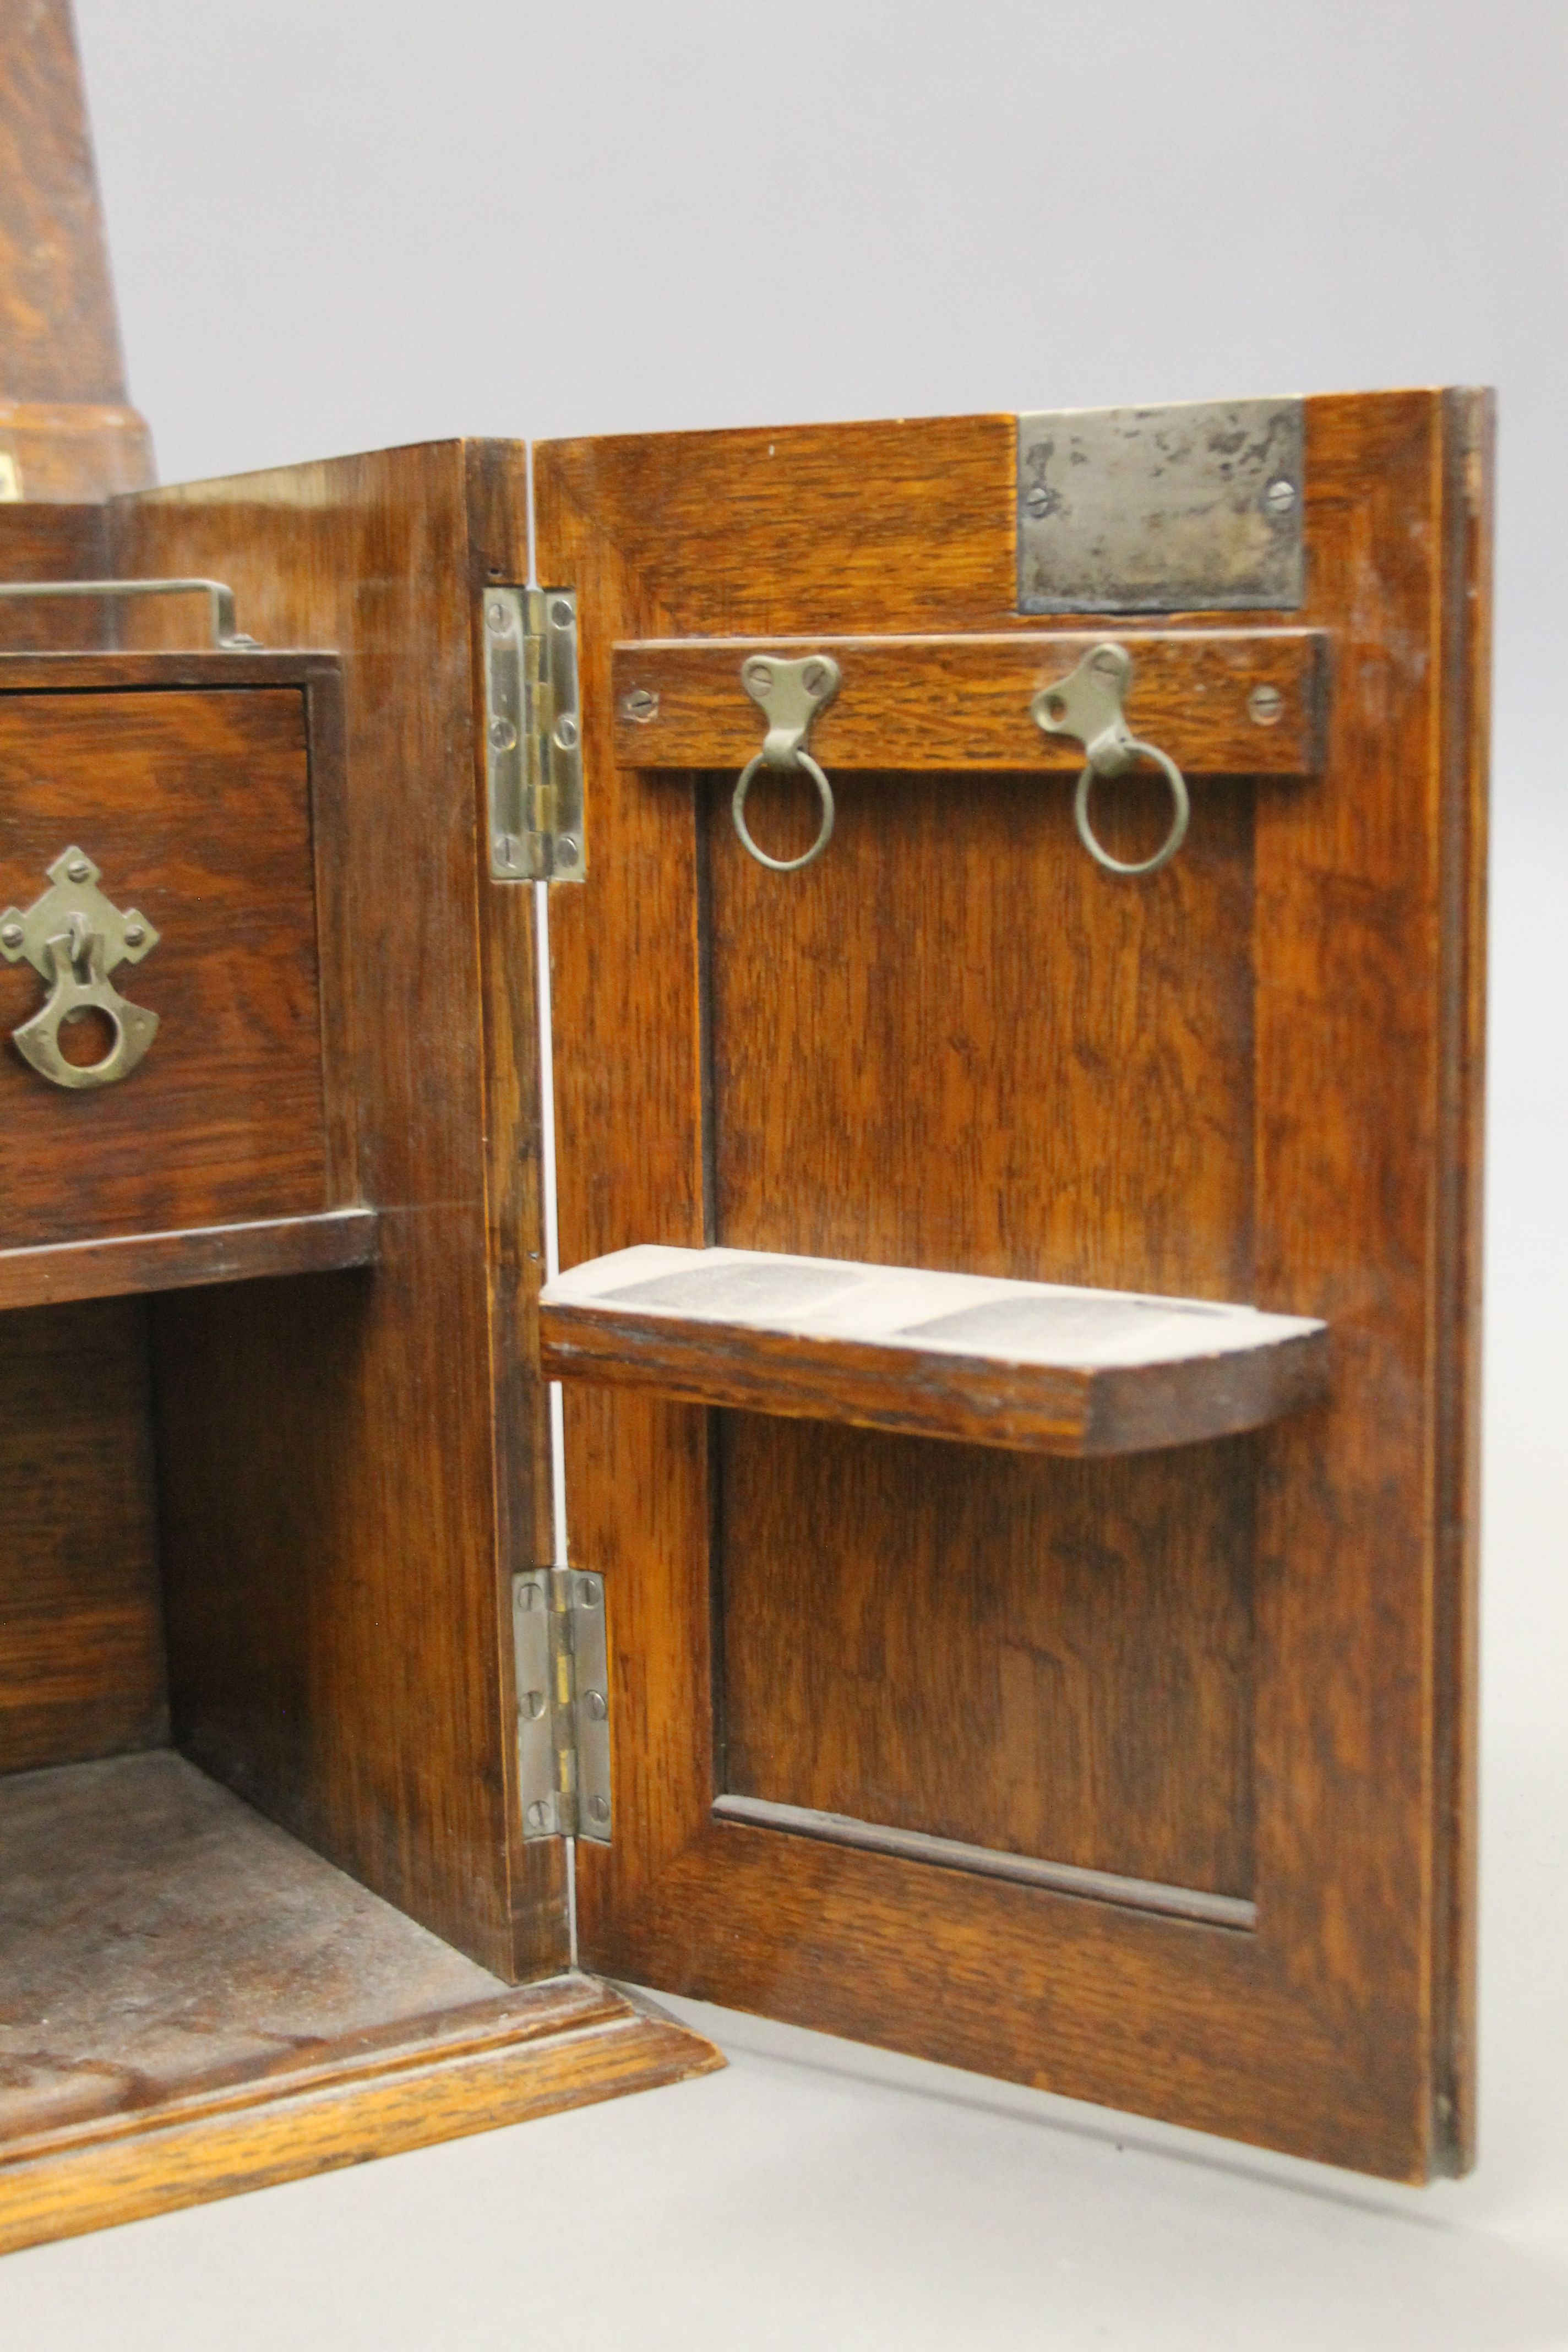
(1192, 508)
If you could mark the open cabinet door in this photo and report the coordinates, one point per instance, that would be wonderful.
(1036, 1669)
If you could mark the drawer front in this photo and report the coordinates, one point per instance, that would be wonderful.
(195, 804)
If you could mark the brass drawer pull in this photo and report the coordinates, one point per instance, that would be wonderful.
(74, 939)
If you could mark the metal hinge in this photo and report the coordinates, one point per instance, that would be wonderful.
(562, 1704)
(533, 735)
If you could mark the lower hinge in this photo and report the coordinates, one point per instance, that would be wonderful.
(562, 1704)
(533, 735)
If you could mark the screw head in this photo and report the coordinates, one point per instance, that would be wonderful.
(79, 869)
(11, 936)
(505, 849)
(561, 614)
(538, 1815)
(498, 618)
(640, 705)
(1038, 501)
(566, 850)
(814, 677)
(135, 935)
(532, 1705)
(600, 1808)
(1265, 706)
(1280, 498)
(528, 1596)
(597, 1705)
(590, 1592)
(758, 676)
(503, 734)
(567, 732)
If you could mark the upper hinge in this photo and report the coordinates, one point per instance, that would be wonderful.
(562, 1704)
(533, 735)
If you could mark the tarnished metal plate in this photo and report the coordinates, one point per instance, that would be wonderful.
(1196, 507)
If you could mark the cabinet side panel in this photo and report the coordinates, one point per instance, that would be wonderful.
(81, 1645)
(337, 1572)
(81, 1652)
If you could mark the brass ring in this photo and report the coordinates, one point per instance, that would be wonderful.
(738, 811)
(1181, 805)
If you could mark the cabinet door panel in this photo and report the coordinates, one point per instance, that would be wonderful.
(1143, 1779)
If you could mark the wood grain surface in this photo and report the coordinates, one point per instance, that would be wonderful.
(965, 1047)
(81, 1645)
(74, 450)
(352, 1465)
(129, 1263)
(63, 418)
(963, 702)
(197, 806)
(195, 2004)
(930, 1355)
(82, 1656)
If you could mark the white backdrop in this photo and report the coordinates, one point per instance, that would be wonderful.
(342, 223)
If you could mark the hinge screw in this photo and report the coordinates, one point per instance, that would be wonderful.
(640, 705)
(12, 934)
(597, 1705)
(600, 1808)
(533, 1704)
(538, 1815)
(1279, 497)
(135, 935)
(1038, 501)
(1265, 704)
(567, 732)
(503, 734)
(589, 1592)
(566, 850)
(79, 869)
(499, 619)
(506, 854)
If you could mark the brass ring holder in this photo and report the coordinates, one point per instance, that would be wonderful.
(1087, 704)
(790, 694)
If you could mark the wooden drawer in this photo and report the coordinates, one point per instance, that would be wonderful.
(203, 790)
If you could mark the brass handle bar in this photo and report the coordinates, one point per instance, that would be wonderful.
(225, 637)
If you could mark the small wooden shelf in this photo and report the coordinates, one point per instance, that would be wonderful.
(1037, 1366)
(127, 1263)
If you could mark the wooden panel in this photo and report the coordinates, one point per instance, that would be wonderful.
(967, 1048)
(69, 450)
(352, 1465)
(64, 424)
(52, 542)
(81, 1647)
(132, 1263)
(59, 336)
(914, 703)
(1031, 1365)
(82, 1653)
(864, 1598)
(197, 807)
(194, 2003)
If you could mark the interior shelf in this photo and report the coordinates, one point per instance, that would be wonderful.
(192, 1996)
(1041, 1367)
(127, 1263)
